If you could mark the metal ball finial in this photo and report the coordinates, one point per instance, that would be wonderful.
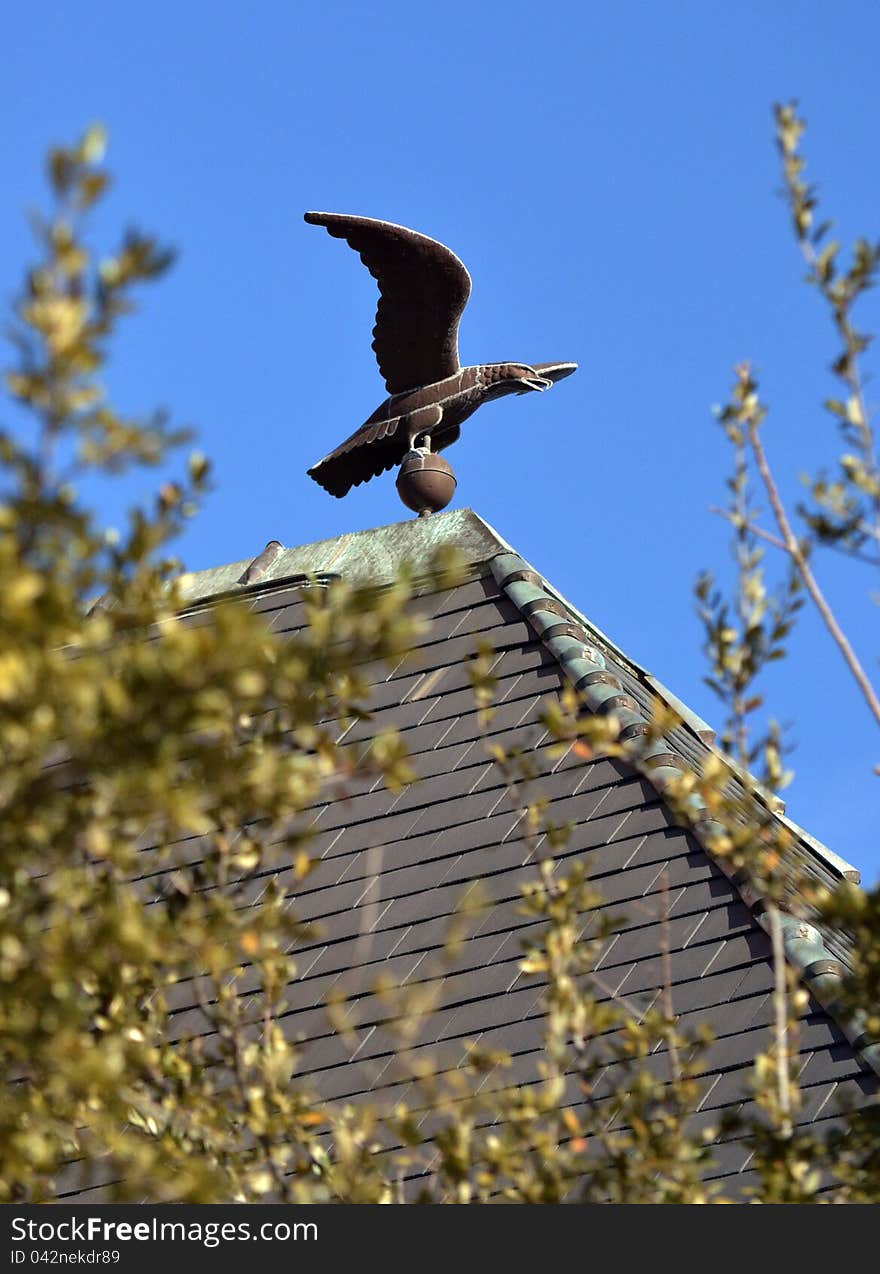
(425, 482)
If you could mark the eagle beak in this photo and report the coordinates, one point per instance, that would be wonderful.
(536, 382)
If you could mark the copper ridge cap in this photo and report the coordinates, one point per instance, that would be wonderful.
(370, 557)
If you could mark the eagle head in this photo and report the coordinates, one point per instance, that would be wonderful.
(514, 378)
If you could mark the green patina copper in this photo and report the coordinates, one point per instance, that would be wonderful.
(360, 557)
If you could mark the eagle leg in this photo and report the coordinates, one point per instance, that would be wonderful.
(420, 422)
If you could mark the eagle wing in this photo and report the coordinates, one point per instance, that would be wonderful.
(364, 455)
(423, 290)
(376, 446)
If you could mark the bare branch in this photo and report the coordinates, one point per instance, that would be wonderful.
(755, 530)
(780, 1021)
(795, 552)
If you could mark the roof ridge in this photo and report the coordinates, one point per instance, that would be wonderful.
(362, 557)
(584, 665)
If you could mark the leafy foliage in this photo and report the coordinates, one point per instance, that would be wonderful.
(128, 723)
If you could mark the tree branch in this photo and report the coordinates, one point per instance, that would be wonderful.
(780, 1013)
(793, 548)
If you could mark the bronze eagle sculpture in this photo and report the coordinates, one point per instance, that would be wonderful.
(423, 290)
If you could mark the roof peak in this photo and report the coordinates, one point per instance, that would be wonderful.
(362, 557)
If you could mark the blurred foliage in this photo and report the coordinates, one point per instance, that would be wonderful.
(161, 769)
(123, 727)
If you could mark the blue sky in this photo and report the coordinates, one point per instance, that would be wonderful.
(607, 174)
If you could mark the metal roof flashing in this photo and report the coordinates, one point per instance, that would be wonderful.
(371, 557)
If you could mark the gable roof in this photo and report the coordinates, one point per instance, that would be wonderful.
(392, 868)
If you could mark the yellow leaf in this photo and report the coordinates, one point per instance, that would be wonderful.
(569, 1118)
(261, 1182)
(94, 144)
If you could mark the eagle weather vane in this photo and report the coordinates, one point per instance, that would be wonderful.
(423, 291)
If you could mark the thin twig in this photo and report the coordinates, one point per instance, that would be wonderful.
(263, 1139)
(780, 1013)
(668, 1010)
(759, 531)
(755, 530)
(793, 548)
(852, 375)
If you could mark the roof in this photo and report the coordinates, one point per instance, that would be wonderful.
(393, 867)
